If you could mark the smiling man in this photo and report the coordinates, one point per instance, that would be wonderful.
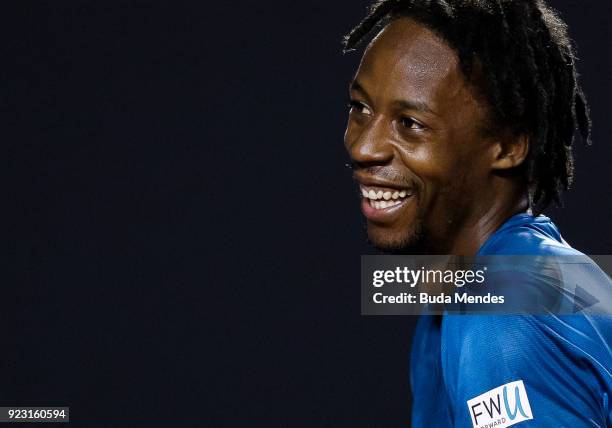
(463, 116)
(426, 156)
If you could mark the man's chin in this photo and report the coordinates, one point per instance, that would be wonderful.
(408, 242)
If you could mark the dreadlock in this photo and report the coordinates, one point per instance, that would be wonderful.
(530, 78)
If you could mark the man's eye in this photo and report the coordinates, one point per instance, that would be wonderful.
(410, 123)
(358, 107)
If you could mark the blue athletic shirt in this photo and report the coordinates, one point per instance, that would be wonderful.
(504, 370)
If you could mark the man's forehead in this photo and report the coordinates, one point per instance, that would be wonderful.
(409, 55)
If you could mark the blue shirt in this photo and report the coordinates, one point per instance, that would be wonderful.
(502, 370)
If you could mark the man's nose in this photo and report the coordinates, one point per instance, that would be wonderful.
(371, 146)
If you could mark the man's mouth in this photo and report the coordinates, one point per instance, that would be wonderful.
(384, 204)
(382, 198)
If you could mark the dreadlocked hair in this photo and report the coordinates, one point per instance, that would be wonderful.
(529, 75)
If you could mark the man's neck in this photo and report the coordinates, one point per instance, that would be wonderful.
(477, 230)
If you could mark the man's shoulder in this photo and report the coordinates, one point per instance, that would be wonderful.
(524, 234)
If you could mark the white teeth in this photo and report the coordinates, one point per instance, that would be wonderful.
(379, 205)
(391, 198)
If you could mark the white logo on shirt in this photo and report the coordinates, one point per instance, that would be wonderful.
(501, 407)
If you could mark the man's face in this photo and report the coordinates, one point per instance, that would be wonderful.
(414, 136)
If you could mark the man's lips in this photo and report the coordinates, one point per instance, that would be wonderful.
(371, 181)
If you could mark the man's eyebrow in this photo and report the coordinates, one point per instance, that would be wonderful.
(400, 104)
(355, 86)
(414, 105)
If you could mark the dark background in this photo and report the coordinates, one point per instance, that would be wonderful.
(183, 237)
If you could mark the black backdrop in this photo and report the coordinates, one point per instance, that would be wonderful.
(184, 239)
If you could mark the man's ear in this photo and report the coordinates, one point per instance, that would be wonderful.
(510, 152)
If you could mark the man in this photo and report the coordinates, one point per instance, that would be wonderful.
(461, 126)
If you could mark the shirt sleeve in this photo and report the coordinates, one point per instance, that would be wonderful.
(535, 371)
